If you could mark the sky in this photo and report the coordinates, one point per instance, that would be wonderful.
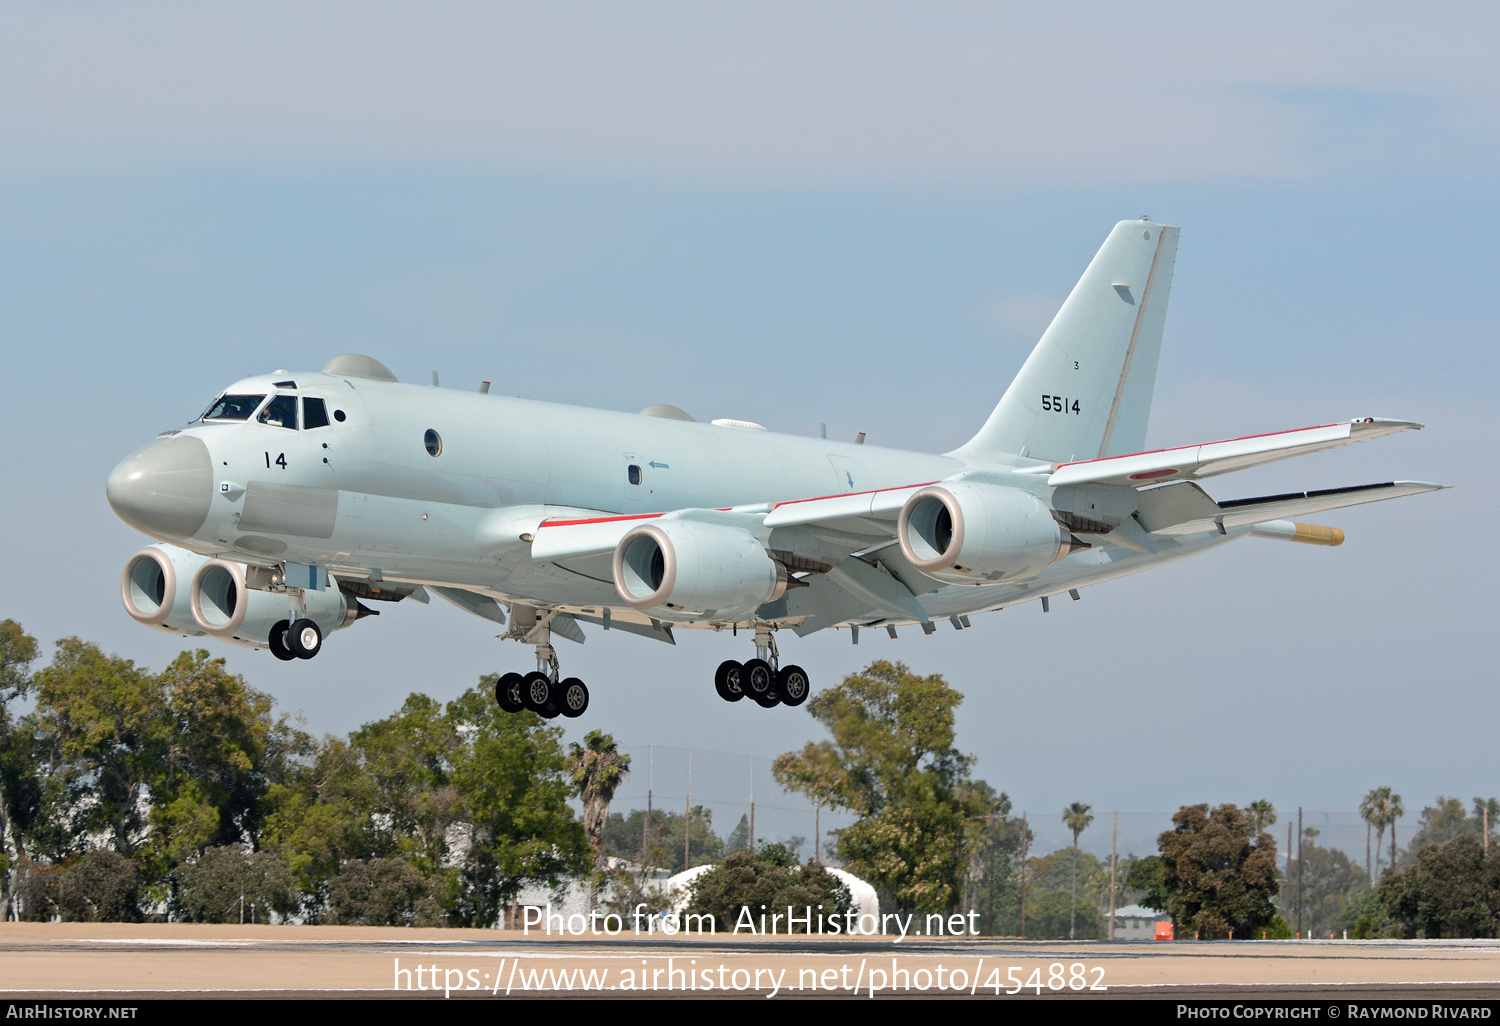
(859, 215)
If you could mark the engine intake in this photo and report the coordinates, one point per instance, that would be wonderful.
(152, 588)
(224, 606)
(708, 570)
(972, 533)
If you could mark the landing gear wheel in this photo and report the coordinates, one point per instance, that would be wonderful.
(536, 692)
(756, 679)
(508, 693)
(575, 697)
(277, 641)
(792, 686)
(304, 639)
(727, 680)
(767, 699)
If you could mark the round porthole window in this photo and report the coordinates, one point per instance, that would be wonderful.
(338, 415)
(433, 441)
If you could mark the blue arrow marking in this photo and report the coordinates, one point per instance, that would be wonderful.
(658, 466)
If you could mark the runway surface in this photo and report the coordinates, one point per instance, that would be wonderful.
(114, 960)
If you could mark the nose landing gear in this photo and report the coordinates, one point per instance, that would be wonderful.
(762, 679)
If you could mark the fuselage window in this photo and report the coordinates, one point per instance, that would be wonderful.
(281, 411)
(433, 442)
(314, 413)
(338, 415)
(232, 407)
(633, 472)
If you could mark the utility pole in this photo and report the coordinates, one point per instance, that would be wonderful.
(1299, 872)
(1024, 848)
(752, 805)
(646, 826)
(1114, 836)
(687, 820)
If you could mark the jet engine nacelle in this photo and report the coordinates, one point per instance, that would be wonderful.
(708, 570)
(225, 607)
(968, 532)
(154, 588)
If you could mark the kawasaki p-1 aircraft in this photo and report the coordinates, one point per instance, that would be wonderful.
(298, 497)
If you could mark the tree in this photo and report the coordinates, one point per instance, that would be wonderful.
(1453, 890)
(1263, 813)
(1446, 819)
(598, 768)
(1220, 876)
(892, 762)
(993, 886)
(231, 885)
(105, 887)
(19, 780)
(1329, 882)
(769, 879)
(1382, 807)
(1077, 818)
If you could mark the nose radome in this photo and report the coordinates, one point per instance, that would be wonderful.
(164, 488)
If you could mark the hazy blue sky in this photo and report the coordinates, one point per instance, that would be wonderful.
(862, 214)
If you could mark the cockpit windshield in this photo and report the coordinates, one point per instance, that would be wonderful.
(232, 407)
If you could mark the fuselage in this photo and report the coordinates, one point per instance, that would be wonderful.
(390, 482)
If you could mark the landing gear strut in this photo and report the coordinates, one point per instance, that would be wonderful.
(763, 678)
(541, 691)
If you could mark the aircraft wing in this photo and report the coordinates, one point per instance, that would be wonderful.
(857, 513)
(1185, 508)
(1193, 462)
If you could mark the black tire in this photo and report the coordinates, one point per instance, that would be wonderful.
(727, 680)
(304, 638)
(573, 699)
(536, 691)
(792, 685)
(277, 641)
(508, 693)
(757, 679)
(767, 699)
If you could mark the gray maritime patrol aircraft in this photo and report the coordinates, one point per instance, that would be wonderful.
(298, 497)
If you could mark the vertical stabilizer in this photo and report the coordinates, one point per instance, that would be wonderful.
(1085, 390)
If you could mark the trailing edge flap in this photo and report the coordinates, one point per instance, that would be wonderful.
(645, 630)
(472, 602)
(1185, 509)
(1199, 461)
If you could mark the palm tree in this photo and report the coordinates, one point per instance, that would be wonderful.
(1264, 813)
(1369, 811)
(598, 770)
(1393, 812)
(1076, 817)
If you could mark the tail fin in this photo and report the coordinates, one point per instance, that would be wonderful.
(1085, 391)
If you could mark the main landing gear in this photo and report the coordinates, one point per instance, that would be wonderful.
(296, 637)
(540, 690)
(763, 679)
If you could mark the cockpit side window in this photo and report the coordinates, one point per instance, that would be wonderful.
(281, 411)
(232, 407)
(314, 413)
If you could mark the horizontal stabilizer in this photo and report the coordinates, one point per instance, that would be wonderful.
(1193, 462)
(1185, 509)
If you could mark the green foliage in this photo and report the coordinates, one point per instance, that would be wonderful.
(1328, 883)
(104, 887)
(231, 885)
(1447, 819)
(768, 880)
(1145, 876)
(1276, 929)
(993, 887)
(622, 836)
(1220, 876)
(1052, 915)
(598, 768)
(1453, 890)
(382, 892)
(892, 762)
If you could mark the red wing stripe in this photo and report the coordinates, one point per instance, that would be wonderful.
(1199, 445)
(597, 520)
